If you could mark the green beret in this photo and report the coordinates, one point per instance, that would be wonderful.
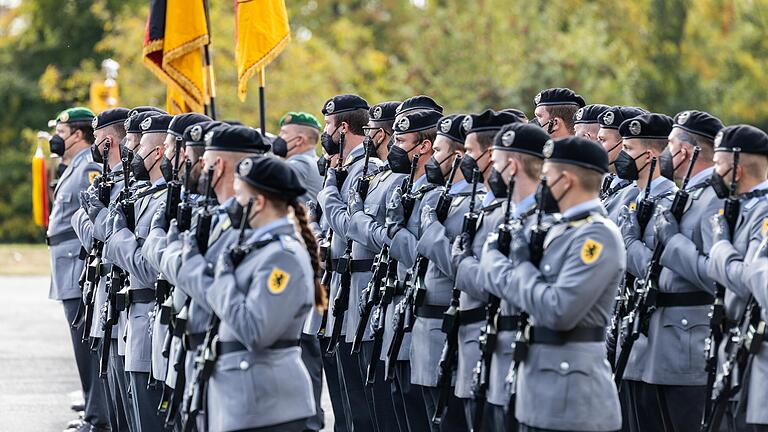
(76, 114)
(300, 118)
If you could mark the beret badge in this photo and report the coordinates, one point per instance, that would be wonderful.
(196, 132)
(64, 117)
(445, 125)
(508, 138)
(635, 128)
(377, 111)
(537, 99)
(467, 123)
(683, 117)
(608, 118)
(245, 167)
(127, 123)
(330, 107)
(579, 113)
(549, 147)
(146, 123)
(718, 139)
(403, 124)
(208, 138)
(287, 118)
(94, 122)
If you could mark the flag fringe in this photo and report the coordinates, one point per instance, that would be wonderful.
(250, 71)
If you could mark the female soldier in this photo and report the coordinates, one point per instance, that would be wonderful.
(259, 382)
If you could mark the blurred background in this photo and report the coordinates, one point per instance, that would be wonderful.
(663, 55)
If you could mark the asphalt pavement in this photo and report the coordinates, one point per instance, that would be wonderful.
(38, 378)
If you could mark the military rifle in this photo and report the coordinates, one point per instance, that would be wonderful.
(450, 325)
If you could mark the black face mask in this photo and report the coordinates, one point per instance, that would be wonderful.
(398, 159)
(166, 167)
(625, 166)
(434, 172)
(60, 168)
(140, 172)
(469, 164)
(718, 184)
(667, 166)
(235, 212)
(544, 198)
(97, 152)
(58, 146)
(280, 146)
(322, 166)
(329, 145)
(497, 184)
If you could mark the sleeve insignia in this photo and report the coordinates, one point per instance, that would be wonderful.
(92, 176)
(590, 252)
(277, 281)
(764, 229)
(633, 206)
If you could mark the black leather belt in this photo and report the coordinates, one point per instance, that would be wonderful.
(105, 269)
(431, 311)
(471, 316)
(542, 335)
(57, 239)
(193, 340)
(145, 295)
(698, 298)
(357, 266)
(234, 346)
(508, 323)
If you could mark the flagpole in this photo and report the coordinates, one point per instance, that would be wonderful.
(211, 105)
(262, 103)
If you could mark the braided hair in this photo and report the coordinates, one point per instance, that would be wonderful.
(310, 242)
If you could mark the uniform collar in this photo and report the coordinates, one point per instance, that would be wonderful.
(753, 201)
(82, 154)
(458, 187)
(659, 185)
(159, 182)
(310, 153)
(357, 151)
(524, 205)
(280, 225)
(586, 206)
(419, 182)
(617, 181)
(700, 177)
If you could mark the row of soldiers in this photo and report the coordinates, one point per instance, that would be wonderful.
(597, 268)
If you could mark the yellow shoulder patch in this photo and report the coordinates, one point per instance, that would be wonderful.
(590, 252)
(92, 176)
(633, 206)
(277, 280)
(764, 229)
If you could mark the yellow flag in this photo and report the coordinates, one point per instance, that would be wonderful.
(261, 33)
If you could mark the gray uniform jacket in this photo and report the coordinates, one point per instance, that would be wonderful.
(65, 263)
(333, 201)
(569, 386)
(639, 252)
(305, 165)
(264, 301)
(495, 269)
(427, 337)
(362, 231)
(124, 248)
(615, 196)
(756, 278)
(677, 334)
(402, 247)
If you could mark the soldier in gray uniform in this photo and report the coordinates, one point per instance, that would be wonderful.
(71, 142)
(264, 288)
(366, 229)
(296, 143)
(427, 338)
(480, 130)
(555, 109)
(90, 223)
(679, 326)
(585, 124)
(517, 153)
(564, 381)
(225, 146)
(644, 137)
(609, 137)
(729, 255)
(755, 276)
(345, 117)
(123, 247)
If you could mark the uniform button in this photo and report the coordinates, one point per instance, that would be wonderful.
(564, 366)
(244, 365)
(684, 322)
(546, 267)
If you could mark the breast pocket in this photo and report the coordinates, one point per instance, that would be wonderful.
(567, 381)
(374, 210)
(63, 197)
(251, 377)
(686, 330)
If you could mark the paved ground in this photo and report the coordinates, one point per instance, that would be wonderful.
(37, 370)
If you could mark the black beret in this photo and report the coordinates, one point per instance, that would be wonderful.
(181, 122)
(132, 122)
(417, 121)
(384, 111)
(747, 138)
(699, 123)
(141, 109)
(521, 137)
(488, 120)
(519, 113)
(194, 135)
(420, 102)
(558, 96)
(155, 124)
(110, 117)
(577, 151)
(589, 113)
(615, 116)
(450, 127)
(233, 122)
(343, 103)
(225, 137)
(271, 174)
(652, 126)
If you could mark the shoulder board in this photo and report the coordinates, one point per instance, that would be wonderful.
(159, 193)
(697, 192)
(289, 243)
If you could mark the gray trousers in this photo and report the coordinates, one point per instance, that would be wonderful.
(453, 418)
(312, 358)
(380, 402)
(413, 417)
(333, 380)
(681, 407)
(356, 410)
(145, 402)
(119, 390)
(87, 361)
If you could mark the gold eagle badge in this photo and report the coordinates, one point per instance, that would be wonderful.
(590, 252)
(277, 280)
